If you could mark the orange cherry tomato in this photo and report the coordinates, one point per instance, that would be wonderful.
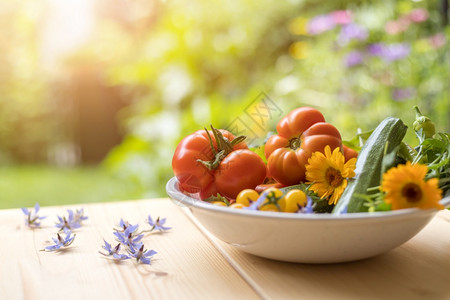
(300, 133)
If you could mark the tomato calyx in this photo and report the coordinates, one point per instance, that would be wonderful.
(271, 198)
(224, 147)
(218, 198)
(295, 143)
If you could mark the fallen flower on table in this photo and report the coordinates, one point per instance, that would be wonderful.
(141, 255)
(123, 224)
(61, 242)
(32, 219)
(158, 224)
(73, 221)
(128, 237)
(114, 252)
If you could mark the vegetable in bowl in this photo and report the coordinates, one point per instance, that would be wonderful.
(308, 155)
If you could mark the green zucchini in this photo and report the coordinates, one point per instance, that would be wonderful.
(368, 166)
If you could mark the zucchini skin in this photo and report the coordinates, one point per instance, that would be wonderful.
(368, 165)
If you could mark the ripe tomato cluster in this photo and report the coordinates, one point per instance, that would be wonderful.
(217, 165)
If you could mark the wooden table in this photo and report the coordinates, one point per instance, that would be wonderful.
(191, 264)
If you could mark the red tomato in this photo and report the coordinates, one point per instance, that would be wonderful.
(191, 174)
(301, 133)
(242, 169)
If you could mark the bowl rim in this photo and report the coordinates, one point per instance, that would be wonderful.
(176, 195)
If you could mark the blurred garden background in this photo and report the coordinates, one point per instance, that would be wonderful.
(96, 94)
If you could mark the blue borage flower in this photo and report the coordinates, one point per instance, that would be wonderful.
(114, 252)
(123, 224)
(141, 255)
(73, 221)
(309, 206)
(32, 219)
(158, 224)
(129, 237)
(255, 205)
(61, 242)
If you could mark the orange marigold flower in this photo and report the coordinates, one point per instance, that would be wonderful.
(328, 173)
(405, 187)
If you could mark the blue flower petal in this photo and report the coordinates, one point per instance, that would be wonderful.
(144, 260)
(149, 253)
(36, 207)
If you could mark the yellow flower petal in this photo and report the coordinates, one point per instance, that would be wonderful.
(405, 187)
(328, 172)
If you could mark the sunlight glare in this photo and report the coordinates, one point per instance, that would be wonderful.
(67, 26)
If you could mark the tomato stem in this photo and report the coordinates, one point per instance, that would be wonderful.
(273, 199)
(212, 165)
(224, 147)
(211, 143)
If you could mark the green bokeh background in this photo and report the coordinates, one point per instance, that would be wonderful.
(177, 66)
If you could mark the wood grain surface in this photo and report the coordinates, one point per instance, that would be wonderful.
(192, 264)
(187, 265)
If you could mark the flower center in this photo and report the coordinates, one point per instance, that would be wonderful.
(333, 177)
(412, 192)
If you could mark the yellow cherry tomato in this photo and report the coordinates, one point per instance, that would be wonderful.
(247, 196)
(220, 203)
(268, 207)
(293, 199)
(273, 192)
(237, 205)
(274, 196)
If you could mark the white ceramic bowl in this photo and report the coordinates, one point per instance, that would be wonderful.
(306, 238)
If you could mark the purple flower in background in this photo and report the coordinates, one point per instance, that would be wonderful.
(354, 58)
(320, 24)
(350, 32)
(341, 17)
(390, 52)
(400, 94)
(376, 49)
(395, 52)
